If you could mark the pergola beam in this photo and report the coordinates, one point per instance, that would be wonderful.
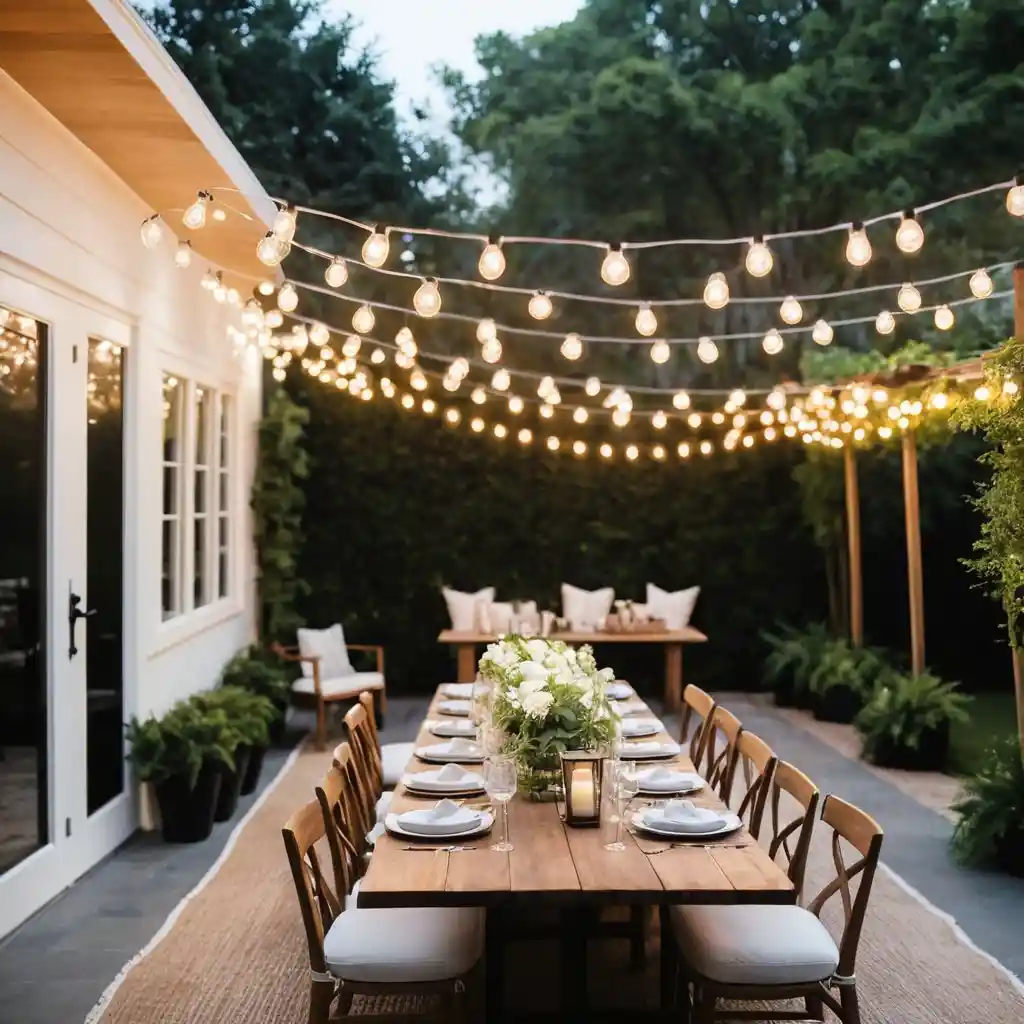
(915, 574)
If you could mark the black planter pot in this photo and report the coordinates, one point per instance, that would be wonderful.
(231, 785)
(838, 704)
(251, 778)
(928, 756)
(1010, 852)
(785, 695)
(276, 729)
(186, 815)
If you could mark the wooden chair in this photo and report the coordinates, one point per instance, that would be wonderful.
(389, 759)
(765, 953)
(319, 693)
(720, 751)
(755, 762)
(343, 821)
(406, 952)
(698, 707)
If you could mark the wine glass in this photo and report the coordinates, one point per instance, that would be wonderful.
(500, 777)
(625, 784)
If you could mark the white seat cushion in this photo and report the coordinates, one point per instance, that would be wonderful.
(755, 945)
(394, 759)
(405, 945)
(329, 646)
(675, 607)
(350, 685)
(383, 804)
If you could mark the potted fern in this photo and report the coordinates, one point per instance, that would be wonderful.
(906, 722)
(843, 680)
(181, 754)
(990, 829)
(255, 670)
(791, 659)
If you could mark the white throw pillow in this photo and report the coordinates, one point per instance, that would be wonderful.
(500, 613)
(674, 607)
(329, 644)
(461, 607)
(586, 607)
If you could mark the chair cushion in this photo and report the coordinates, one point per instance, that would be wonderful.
(404, 945)
(394, 759)
(350, 685)
(755, 945)
(675, 607)
(329, 644)
(383, 804)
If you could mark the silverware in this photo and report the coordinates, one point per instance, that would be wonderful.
(698, 846)
(441, 849)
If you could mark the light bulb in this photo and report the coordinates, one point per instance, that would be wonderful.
(418, 380)
(195, 216)
(580, 415)
(451, 384)
(579, 448)
(632, 452)
(716, 291)
(279, 373)
(660, 352)
(500, 431)
(299, 339)
(376, 248)
(477, 425)
(939, 400)
(706, 447)
(681, 400)
(459, 368)
(791, 311)
(858, 247)
(822, 332)
(287, 297)
(452, 416)
(737, 397)
(404, 362)
(772, 342)
(266, 287)
(486, 330)
(547, 411)
(572, 347)
(271, 250)
(350, 349)
(545, 387)
(406, 342)
(606, 450)
(885, 322)
(377, 356)
(1010, 387)
(252, 314)
(552, 443)
(429, 405)
(427, 300)
(767, 418)
(909, 298)
(592, 386)
(694, 420)
(491, 350)
(981, 284)
(646, 322)
(363, 320)
(776, 400)
(659, 420)
(982, 393)
(1015, 200)
(273, 318)
(615, 267)
(183, 255)
(944, 318)
(408, 401)
(910, 234)
(707, 350)
(478, 395)
(620, 417)
(492, 262)
(683, 450)
(501, 380)
(285, 223)
(151, 231)
(540, 306)
(515, 405)
(320, 335)
(525, 435)
(336, 273)
(759, 259)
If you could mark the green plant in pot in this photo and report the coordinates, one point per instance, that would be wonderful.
(791, 659)
(906, 721)
(990, 829)
(182, 754)
(246, 719)
(259, 671)
(843, 680)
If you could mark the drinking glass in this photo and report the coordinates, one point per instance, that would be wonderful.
(625, 784)
(500, 776)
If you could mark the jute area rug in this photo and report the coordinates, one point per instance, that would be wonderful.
(236, 953)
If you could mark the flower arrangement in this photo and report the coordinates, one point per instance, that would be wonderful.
(548, 698)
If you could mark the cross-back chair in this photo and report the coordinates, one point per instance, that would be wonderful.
(693, 730)
(720, 751)
(389, 759)
(343, 821)
(352, 951)
(755, 767)
(768, 953)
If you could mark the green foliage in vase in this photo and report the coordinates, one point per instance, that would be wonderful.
(905, 708)
(793, 656)
(278, 502)
(991, 811)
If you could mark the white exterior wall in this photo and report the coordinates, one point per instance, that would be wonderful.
(70, 226)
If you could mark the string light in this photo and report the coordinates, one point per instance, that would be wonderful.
(408, 402)
(546, 386)
(320, 335)
(363, 320)
(822, 332)
(539, 306)
(270, 250)
(982, 393)
(981, 284)
(939, 400)
(944, 318)
(285, 222)
(620, 416)
(694, 420)
(615, 267)
(525, 435)
(772, 342)
(858, 246)
(909, 298)
(592, 387)
(1010, 387)
(706, 447)
(717, 418)
(492, 261)
(478, 396)
(336, 273)
(183, 255)
(759, 260)
(707, 350)
(580, 414)
(646, 322)
(716, 291)
(490, 351)
(791, 311)
(1015, 198)
(266, 287)
(579, 448)
(151, 231)
(606, 450)
(502, 380)
(427, 300)
(459, 369)
(553, 444)
(287, 298)
(776, 400)
(909, 234)
(452, 416)
(683, 449)
(406, 343)
(486, 330)
(515, 405)
(376, 248)
(632, 452)
(885, 322)
(418, 380)
(273, 318)
(660, 352)
(681, 400)
(351, 346)
(194, 216)
(477, 425)
(572, 347)
(378, 355)
(546, 411)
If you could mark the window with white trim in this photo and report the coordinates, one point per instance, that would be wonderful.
(174, 395)
(224, 498)
(202, 497)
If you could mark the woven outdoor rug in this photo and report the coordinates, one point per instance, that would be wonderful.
(237, 952)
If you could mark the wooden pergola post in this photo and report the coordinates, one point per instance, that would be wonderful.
(915, 577)
(1018, 654)
(853, 546)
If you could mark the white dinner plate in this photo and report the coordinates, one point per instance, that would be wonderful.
(731, 823)
(644, 750)
(428, 784)
(683, 783)
(455, 727)
(436, 754)
(455, 707)
(424, 821)
(482, 826)
(634, 728)
(618, 691)
(623, 710)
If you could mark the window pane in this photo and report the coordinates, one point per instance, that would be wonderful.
(199, 567)
(170, 588)
(170, 490)
(203, 396)
(223, 499)
(169, 568)
(200, 495)
(173, 393)
(225, 421)
(222, 570)
(222, 534)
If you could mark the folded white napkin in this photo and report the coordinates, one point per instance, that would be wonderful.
(683, 816)
(641, 749)
(453, 773)
(618, 690)
(456, 727)
(641, 727)
(457, 689)
(452, 778)
(456, 707)
(668, 780)
(443, 818)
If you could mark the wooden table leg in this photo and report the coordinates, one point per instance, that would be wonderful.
(494, 959)
(673, 677)
(574, 1002)
(466, 663)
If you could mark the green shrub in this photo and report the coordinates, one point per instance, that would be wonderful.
(904, 709)
(249, 714)
(793, 655)
(991, 811)
(257, 670)
(841, 664)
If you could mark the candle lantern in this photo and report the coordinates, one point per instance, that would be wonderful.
(581, 776)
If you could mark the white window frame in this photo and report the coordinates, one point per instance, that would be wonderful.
(224, 471)
(204, 406)
(176, 516)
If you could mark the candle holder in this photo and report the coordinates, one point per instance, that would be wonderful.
(581, 780)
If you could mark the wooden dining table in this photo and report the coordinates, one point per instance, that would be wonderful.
(553, 865)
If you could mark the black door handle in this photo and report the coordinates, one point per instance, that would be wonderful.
(74, 614)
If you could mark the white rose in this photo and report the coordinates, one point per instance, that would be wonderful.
(531, 670)
(537, 649)
(529, 686)
(536, 705)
